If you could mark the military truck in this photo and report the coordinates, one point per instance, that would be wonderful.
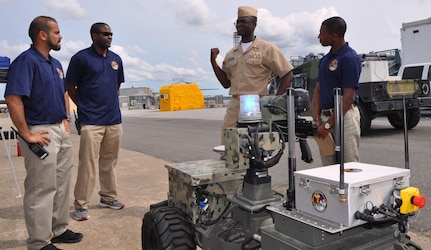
(420, 71)
(381, 91)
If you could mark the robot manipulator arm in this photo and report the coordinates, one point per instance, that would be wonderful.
(274, 112)
(261, 143)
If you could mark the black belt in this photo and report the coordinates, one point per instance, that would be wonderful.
(329, 112)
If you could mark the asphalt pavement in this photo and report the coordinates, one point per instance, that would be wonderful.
(142, 180)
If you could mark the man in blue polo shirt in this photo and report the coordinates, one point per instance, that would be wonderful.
(39, 107)
(93, 79)
(340, 68)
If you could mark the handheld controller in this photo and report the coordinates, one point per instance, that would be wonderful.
(37, 148)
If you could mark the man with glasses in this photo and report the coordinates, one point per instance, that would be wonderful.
(93, 79)
(248, 66)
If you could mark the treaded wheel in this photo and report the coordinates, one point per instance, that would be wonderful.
(167, 228)
(397, 119)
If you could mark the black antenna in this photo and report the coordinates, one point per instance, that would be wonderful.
(77, 123)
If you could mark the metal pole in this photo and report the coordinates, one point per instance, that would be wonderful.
(339, 137)
(339, 126)
(406, 136)
(10, 163)
(290, 104)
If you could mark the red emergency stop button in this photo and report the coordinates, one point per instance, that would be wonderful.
(419, 201)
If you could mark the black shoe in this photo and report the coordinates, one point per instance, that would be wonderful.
(50, 247)
(68, 237)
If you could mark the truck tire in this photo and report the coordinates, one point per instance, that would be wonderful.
(167, 228)
(365, 119)
(396, 119)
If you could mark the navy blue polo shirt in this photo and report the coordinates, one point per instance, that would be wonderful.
(97, 79)
(40, 82)
(338, 70)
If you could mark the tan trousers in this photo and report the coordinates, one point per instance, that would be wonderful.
(352, 133)
(47, 187)
(231, 116)
(99, 148)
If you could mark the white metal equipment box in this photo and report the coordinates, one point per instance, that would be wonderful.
(376, 71)
(365, 185)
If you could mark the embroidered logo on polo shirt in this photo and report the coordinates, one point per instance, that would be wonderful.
(255, 55)
(60, 73)
(114, 65)
(333, 65)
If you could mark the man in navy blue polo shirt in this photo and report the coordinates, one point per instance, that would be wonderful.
(340, 68)
(39, 107)
(93, 79)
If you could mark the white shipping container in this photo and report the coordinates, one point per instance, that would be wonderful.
(416, 42)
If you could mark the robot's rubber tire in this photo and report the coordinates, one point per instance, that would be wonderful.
(167, 228)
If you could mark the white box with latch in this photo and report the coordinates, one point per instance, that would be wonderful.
(365, 186)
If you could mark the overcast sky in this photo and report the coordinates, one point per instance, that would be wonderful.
(168, 41)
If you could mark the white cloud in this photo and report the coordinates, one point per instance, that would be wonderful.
(12, 51)
(136, 50)
(166, 41)
(294, 34)
(69, 48)
(192, 12)
(68, 9)
(138, 70)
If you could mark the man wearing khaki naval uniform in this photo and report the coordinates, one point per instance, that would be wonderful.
(247, 67)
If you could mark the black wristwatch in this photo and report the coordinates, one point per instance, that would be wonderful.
(68, 118)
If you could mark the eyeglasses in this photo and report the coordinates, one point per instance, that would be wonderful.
(105, 33)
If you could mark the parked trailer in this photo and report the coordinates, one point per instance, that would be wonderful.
(416, 41)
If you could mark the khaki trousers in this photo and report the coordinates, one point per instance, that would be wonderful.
(99, 149)
(47, 187)
(352, 133)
